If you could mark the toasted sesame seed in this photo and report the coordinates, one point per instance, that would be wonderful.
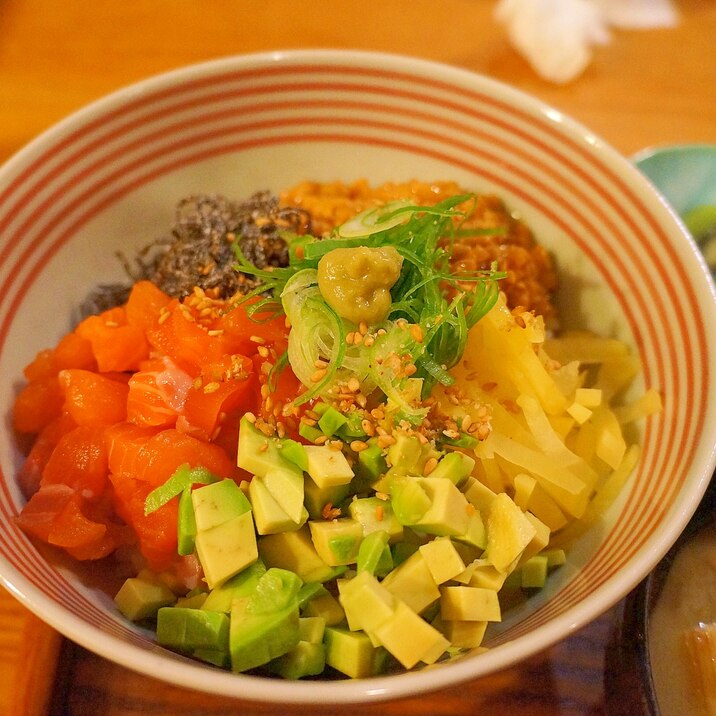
(363, 328)
(416, 332)
(257, 339)
(211, 387)
(367, 427)
(358, 445)
(386, 440)
(379, 513)
(250, 417)
(318, 375)
(430, 464)
(353, 384)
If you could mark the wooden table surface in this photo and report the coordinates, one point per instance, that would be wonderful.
(644, 88)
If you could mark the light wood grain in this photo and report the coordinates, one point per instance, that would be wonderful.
(644, 88)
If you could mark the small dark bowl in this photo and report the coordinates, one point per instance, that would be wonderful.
(629, 684)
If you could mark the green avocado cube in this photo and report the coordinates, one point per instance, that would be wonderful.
(371, 464)
(275, 589)
(222, 659)
(327, 607)
(295, 551)
(295, 453)
(376, 515)
(218, 503)
(409, 500)
(315, 498)
(352, 653)
(327, 466)
(331, 420)
(256, 639)
(374, 555)
(455, 466)
(411, 639)
(534, 572)
(305, 659)
(140, 599)
(227, 548)
(189, 629)
(310, 591)
(413, 583)
(258, 453)
(242, 584)
(287, 489)
(336, 541)
(312, 629)
(269, 516)
(192, 601)
(449, 511)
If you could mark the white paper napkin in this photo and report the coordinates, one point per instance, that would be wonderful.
(557, 36)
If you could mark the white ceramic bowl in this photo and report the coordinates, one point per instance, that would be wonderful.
(108, 177)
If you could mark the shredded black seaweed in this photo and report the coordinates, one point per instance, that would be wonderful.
(198, 251)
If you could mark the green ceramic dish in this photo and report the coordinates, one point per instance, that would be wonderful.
(686, 177)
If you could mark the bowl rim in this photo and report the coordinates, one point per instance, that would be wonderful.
(189, 673)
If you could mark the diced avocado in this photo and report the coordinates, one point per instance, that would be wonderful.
(309, 432)
(534, 572)
(269, 516)
(218, 503)
(404, 454)
(443, 560)
(374, 554)
(275, 589)
(411, 639)
(485, 575)
(470, 604)
(540, 539)
(295, 453)
(242, 584)
(186, 523)
(331, 420)
(140, 599)
(508, 532)
(413, 583)
(448, 513)
(375, 515)
(478, 495)
(476, 532)
(287, 488)
(226, 549)
(256, 639)
(259, 453)
(305, 659)
(312, 629)
(555, 557)
(455, 466)
(352, 429)
(189, 629)
(352, 653)
(265, 624)
(336, 541)
(402, 550)
(464, 634)
(222, 659)
(371, 464)
(366, 602)
(310, 591)
(409, 500)
(327, 607)
(327, 466)
(316, 498)
(295, 551)
(194, 601)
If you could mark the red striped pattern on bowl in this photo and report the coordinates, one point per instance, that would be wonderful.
(280, 118)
